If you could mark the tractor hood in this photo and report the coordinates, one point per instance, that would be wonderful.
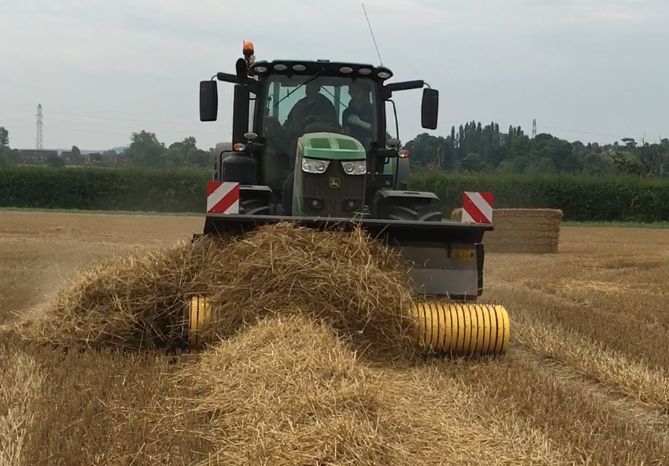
(330, 146)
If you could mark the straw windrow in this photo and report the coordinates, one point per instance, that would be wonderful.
(343, 278)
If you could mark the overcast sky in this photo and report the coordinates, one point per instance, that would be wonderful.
(593, 70)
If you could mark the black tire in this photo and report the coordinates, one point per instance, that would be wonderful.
(416, 210)
(254, 207)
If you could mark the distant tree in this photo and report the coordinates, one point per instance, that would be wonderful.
(187, 153)
(495, 155)
(594, 147)
(516, 165)
(473, 163)
(664, 147)
(145, 150)
(4, 137)
(520, 145)
(596, 163)
(579, 148)
(563, 156)
(647, 160)
(7, 155)
(541, 166)
(543, 137)
(424, 150)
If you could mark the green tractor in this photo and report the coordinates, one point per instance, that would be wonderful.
(310, 144)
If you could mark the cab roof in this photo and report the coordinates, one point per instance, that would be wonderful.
(324, 67)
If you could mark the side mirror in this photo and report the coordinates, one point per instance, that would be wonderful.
(429, 111)
(208, 100)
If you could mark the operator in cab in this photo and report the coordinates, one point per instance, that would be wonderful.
(357, 118)
(314, 107)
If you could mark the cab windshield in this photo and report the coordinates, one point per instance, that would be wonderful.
(297, 105)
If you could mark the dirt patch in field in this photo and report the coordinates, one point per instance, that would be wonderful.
(39, 251)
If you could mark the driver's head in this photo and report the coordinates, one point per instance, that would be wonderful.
(312, 89)
(358, 91)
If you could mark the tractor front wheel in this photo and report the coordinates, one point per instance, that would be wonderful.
(413, 209)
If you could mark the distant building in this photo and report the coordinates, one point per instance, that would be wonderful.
(73, 157)
(93, 158)
(116, 159)
(36, 156)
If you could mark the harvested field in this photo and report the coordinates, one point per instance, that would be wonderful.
(586, 379)
(531, 231)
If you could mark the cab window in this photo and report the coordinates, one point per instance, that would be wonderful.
(294, 105)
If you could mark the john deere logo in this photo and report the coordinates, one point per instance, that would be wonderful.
(335, 183)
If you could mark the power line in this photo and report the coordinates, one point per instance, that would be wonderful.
(120, 118)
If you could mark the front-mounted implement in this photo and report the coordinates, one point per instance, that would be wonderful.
(316, 151)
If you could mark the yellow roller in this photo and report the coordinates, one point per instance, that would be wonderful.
(462, 328)
(199, 318)
(454, 328)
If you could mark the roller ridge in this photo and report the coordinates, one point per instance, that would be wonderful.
(461, 328)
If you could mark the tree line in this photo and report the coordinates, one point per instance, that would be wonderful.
(145, 150)
(471, 148)
(474, 148)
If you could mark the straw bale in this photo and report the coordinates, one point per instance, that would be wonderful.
(355, 284)
(534, 231)
(527, 215)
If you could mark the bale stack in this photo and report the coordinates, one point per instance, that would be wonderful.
(530, 231)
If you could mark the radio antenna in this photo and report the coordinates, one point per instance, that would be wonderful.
(376, 46)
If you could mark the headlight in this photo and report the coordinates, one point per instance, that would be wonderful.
(314, 165)
(359, 167)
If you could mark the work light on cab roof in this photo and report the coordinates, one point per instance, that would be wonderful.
(315, 142)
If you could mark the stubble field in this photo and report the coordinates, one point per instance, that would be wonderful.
(586, 380)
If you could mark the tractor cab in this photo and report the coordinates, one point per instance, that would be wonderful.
(295, 106)
(313, 135)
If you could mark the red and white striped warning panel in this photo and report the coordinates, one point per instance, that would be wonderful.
(222, 197)
(477, 207)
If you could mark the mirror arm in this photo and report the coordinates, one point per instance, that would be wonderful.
(227, 77)
(253, 85)
(405, 85)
